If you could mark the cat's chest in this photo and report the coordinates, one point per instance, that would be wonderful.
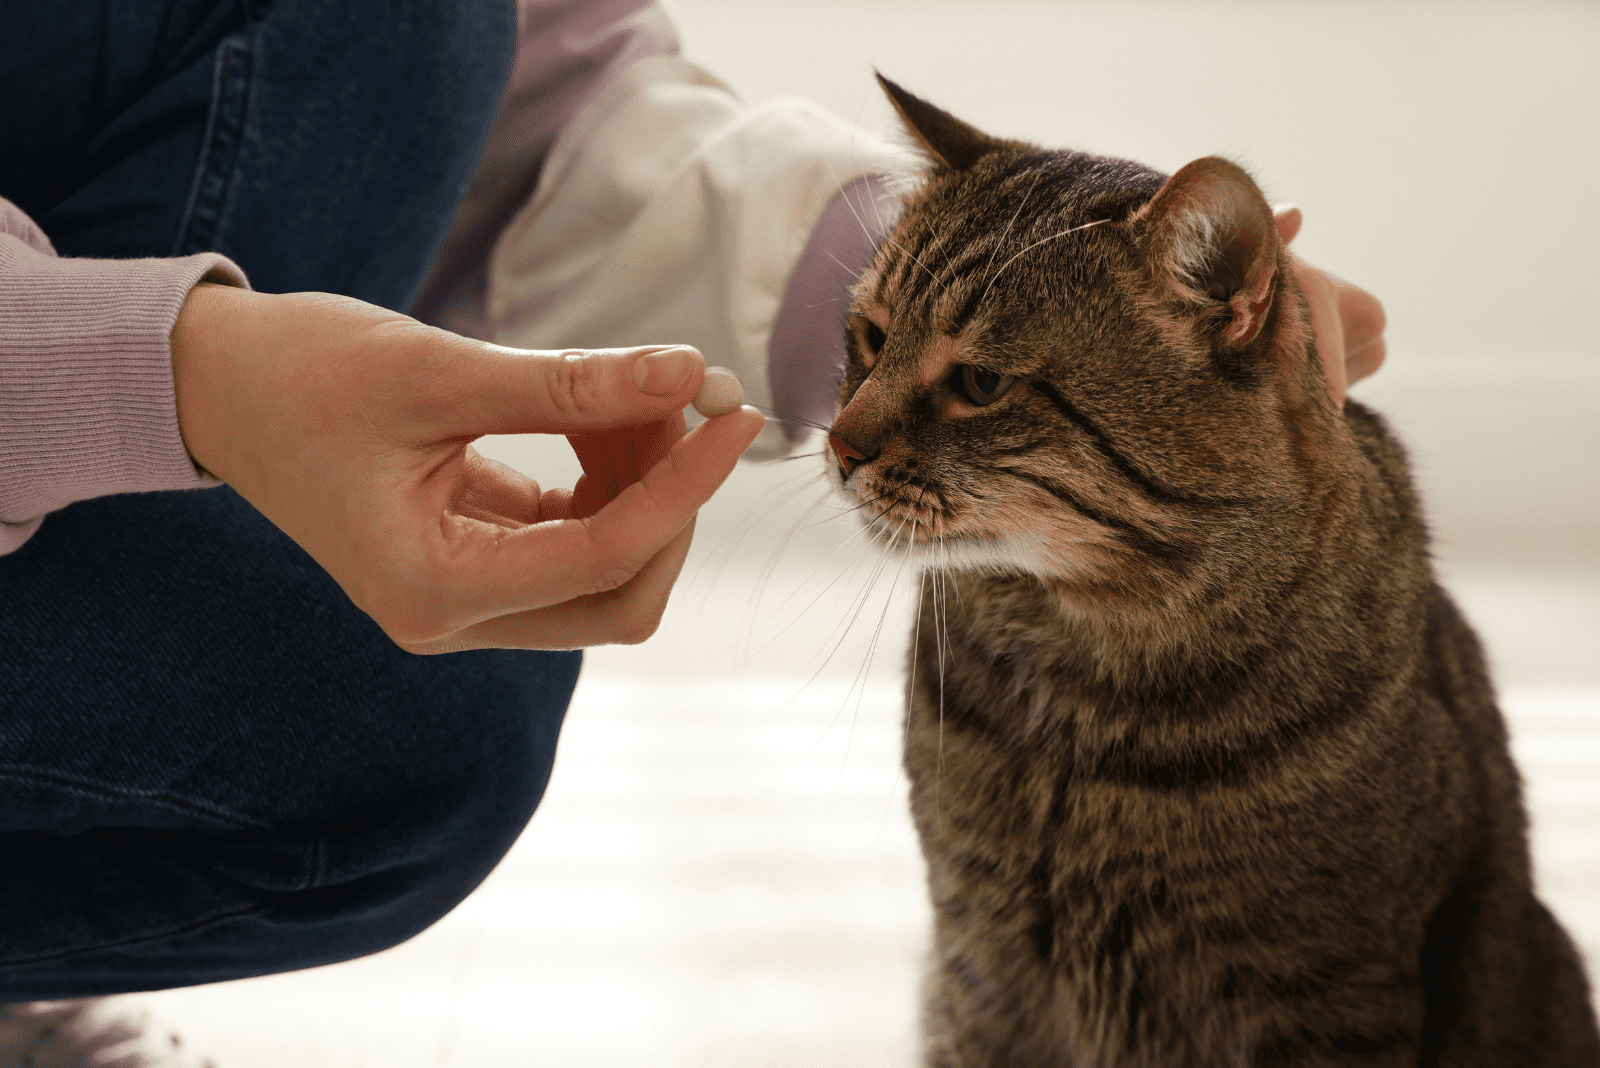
(1012, 755)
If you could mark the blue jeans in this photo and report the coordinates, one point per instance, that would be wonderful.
(212, 765)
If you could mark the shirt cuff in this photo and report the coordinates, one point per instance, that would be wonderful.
(86, 395)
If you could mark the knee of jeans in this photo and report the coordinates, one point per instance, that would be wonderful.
(458, 52)
(439, 809)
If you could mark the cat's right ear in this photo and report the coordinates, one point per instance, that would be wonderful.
(945, 139)
(1209, 235)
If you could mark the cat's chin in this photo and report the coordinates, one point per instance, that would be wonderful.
(909, 530)
(1008, 554)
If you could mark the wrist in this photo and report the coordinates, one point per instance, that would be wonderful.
(199, 338)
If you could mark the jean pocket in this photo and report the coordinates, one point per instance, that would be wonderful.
(218, 161)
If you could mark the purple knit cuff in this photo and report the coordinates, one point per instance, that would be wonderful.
(86, 396)
(805, 355)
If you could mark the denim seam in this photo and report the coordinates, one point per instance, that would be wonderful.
(63, 954)
(102, 793)
(314, 869)
(219, 148)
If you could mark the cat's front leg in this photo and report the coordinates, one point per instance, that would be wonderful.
(963, 1029)
(987, 998)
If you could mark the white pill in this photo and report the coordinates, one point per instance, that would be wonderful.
(719, 394)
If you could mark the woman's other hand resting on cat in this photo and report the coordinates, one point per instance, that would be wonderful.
(349, 426)
(1348, 320)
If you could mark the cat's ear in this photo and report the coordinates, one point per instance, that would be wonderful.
(942, 136)
(1209, 235)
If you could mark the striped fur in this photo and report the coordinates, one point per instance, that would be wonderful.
(1206, 769)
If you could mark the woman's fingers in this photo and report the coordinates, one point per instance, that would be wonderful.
(349, 427)
(1362, 318)
(492, 492)
(1324, 309)
(613, 460)
(1348, 321)
(1288, 217)
(498, 390)
(485, 572)
(624, 616)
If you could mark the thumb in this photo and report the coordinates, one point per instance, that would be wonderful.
(520, 391)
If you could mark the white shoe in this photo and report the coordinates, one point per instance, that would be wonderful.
(89, 1033)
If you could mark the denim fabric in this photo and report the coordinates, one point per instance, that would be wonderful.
(320, 145)
(212, 765)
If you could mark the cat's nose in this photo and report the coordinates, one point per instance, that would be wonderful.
(848, 455)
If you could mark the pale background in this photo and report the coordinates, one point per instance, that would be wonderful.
(722, 871)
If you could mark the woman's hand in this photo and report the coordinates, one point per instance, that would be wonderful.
(350, 427)
(1348, 320)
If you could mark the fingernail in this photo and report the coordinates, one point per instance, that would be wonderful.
(663, 372)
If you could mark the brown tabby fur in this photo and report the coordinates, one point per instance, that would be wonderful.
(1206, 768)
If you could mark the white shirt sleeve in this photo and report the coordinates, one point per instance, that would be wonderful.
(669, 211)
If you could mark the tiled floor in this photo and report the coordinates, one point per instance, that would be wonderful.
(722, 872)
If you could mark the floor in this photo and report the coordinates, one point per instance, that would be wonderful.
(722, 872)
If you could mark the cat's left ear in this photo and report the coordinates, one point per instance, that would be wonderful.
(1209, 235)
(944, 138)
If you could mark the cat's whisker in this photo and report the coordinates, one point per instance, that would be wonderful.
(916, 629)
(1007, 231)
(862, 551)
(936, 577)
(916, 645)
(1030, 248)
(944, 548)
(941, 577)
(768, 569)
(886, 239)
(877, 212)
(773, 413)
(842, 266)
(842, 513)
(839, 187)
(739, 532)
(860, 604)
(728, 543)
(859, 684)
(843, 630)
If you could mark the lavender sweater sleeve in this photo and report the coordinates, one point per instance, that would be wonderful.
(805, 355)
(86, 397)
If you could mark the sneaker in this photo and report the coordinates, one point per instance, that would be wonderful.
(89, 1033)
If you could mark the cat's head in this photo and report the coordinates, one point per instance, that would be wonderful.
(1075, 366)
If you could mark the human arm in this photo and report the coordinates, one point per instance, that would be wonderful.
(628, 196)
(346, 424)
(86, 404)
(668, 209)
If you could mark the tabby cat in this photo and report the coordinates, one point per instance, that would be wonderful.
(1206, 769)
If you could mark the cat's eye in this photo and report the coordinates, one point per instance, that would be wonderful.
(874, 337)
(981, 386)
